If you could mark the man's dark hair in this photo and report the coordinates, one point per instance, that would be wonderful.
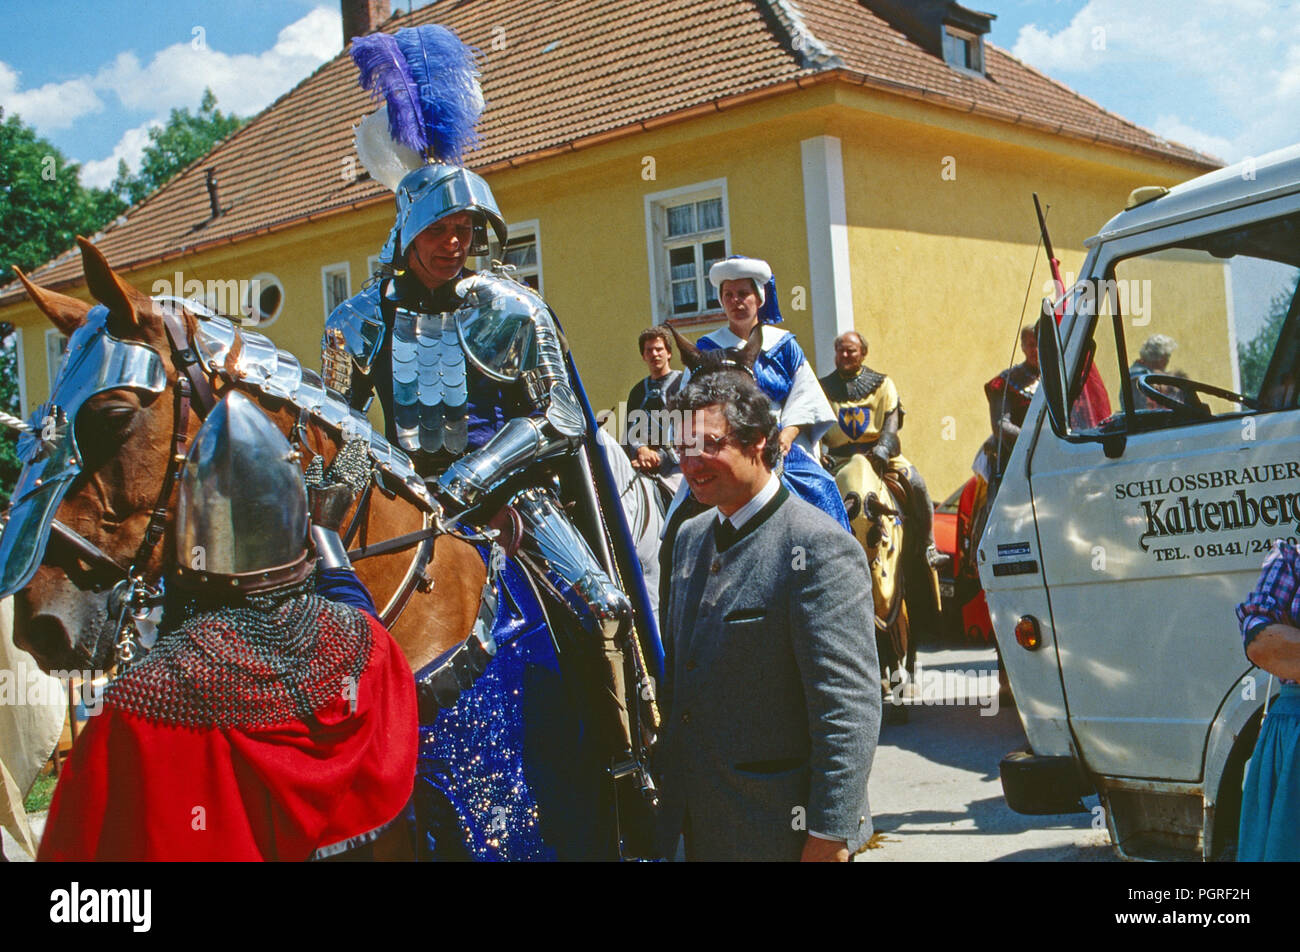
(746, 408)
(649, 334)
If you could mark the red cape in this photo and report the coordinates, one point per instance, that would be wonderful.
(134, 789)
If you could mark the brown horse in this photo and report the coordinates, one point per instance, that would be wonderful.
(514, 769)
(126, 439)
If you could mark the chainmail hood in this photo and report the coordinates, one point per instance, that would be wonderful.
(264, 661)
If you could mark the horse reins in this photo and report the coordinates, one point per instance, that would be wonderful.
(102, 570)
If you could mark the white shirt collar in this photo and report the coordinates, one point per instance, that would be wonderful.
(750, 509)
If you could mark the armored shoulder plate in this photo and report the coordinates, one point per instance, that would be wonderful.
(358, 326)
(498, 325)
(253, 361)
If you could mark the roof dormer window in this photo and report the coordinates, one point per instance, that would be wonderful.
(963, 50)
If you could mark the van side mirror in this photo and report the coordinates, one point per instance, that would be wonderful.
(1052, 370)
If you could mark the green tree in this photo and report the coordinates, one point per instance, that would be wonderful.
(43, 205)
(172, 147)
(1253, 356)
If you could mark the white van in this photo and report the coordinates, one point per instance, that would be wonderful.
(1123, 537)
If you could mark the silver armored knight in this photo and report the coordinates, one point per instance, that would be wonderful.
(470, 370)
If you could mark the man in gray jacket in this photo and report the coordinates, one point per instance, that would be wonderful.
(771, 694)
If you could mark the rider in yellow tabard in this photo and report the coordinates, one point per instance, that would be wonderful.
(868, 416)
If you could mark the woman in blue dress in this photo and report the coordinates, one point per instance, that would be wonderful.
(1270, 802)
(747, 292)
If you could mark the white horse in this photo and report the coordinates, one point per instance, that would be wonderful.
(33, 707)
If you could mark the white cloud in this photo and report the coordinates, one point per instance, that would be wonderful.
(175, 78)
(49, 107)
(130, 148)
(1231, 63)
(243, 83)
(1173, 128)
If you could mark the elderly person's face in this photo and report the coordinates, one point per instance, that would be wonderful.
(739, 299)
(438, 253)
(718, 469)
(849, 355)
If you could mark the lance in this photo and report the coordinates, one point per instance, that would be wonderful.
(1096, 400)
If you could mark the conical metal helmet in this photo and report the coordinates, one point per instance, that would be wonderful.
(241, 521)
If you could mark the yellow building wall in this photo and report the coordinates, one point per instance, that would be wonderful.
(942, 240)
(592, 213)
(942, 237)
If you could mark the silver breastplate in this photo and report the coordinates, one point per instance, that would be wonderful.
(430, 391)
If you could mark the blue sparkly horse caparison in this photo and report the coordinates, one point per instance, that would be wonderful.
(511, 772)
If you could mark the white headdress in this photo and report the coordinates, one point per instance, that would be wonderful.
(737, 267)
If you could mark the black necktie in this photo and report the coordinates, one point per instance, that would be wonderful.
(724, 534)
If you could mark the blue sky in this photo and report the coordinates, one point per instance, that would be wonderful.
(1219, 75)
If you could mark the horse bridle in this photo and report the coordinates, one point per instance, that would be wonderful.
(136, 595)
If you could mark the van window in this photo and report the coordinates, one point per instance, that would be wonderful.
(1209, 325)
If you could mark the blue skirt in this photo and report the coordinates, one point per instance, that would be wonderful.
(1270, 801)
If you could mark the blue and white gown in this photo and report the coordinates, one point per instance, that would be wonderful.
(783, 373)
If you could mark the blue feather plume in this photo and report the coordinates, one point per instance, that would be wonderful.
(384, 71)
(443, 69)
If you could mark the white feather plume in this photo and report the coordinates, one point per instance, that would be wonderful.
(387, 161)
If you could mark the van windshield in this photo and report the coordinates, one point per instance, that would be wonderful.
(1208, 327)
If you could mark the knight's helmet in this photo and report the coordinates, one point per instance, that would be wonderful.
(436, 191)
(241, 522)
(415, 141)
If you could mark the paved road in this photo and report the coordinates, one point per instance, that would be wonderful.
(934, 787)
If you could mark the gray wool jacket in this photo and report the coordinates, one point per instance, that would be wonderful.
(771, 699)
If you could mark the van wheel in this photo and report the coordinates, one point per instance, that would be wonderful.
(1227, 807)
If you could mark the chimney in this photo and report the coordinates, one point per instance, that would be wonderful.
(363, 16)
(213, 202)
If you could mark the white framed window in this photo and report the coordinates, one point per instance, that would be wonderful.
(56, 345)
(372, 265)
(523, 252)
(336, 285)
(963, 50)
(687, 230)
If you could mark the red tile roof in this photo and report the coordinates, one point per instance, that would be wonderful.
(561, 75)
